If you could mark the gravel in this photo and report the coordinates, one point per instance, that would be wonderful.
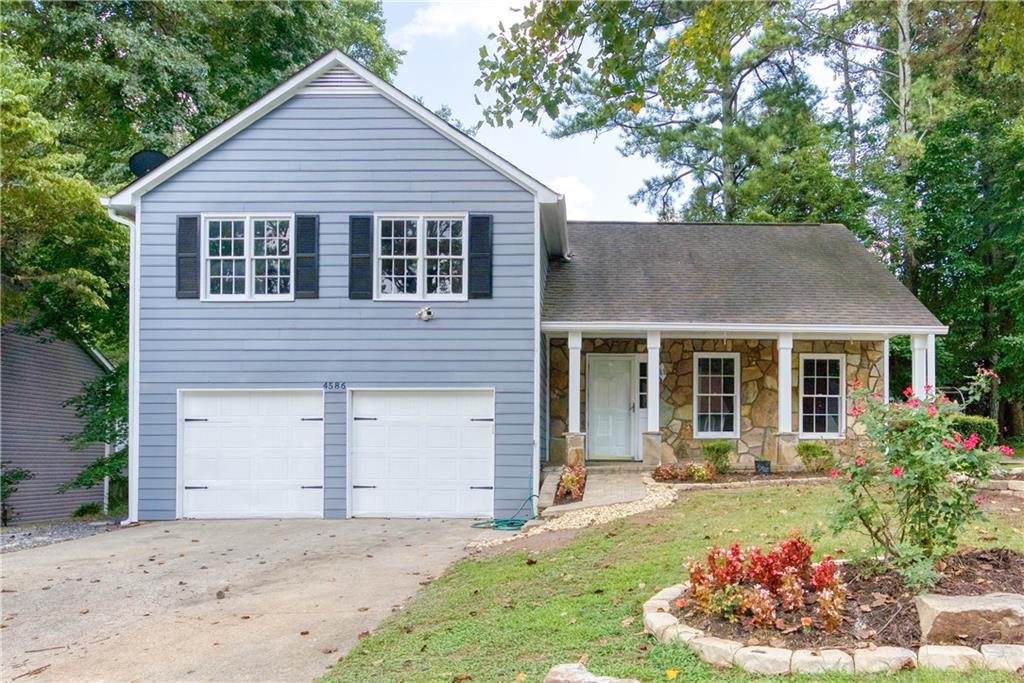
(658, 496)
(34, 535)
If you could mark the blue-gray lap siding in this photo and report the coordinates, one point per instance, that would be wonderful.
(337, 156)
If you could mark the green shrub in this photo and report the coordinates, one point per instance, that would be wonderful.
(985, 427)
(10, 477)
(717, 453)
(815, 455)
(87, 510)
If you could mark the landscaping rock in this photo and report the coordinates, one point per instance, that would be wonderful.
(680, 633)
(883, 659)
(655, 605)
(715, 651)
(577, 673)
(820, 661)
(1004, 657)
(657, 622)
(997, 617)
(767, 661)
(671, 593)
(949, 657)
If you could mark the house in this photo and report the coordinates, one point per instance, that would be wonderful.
(343, 306)
(39, 374)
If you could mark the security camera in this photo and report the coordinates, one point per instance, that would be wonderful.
(425, 314)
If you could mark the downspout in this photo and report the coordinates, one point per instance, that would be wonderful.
(133, 354)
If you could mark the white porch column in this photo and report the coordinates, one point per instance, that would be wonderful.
(653, 381)
(575, 344)
(919, 363)
(885, 369)
(785, 346)
(930, 372)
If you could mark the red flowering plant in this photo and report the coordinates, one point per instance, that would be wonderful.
(753, 584)
(915, 493)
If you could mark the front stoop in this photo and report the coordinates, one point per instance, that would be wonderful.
(604, 487)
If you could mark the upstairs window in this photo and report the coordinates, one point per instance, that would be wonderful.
(716, 395)
(247, 258)
(421, 257)
(821, 394)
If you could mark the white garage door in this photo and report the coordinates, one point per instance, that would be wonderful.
(422, 453)
(253, 454)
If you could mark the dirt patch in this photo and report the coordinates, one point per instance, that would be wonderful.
(879, 608)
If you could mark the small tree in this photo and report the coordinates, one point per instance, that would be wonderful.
(915, 494)
(10, 477)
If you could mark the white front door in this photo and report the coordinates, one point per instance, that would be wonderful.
(252, 453)
(422, 453)
(610, 406)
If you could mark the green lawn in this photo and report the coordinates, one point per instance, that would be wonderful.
(506, 619)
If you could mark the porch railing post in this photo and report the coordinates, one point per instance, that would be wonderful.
(919, 363)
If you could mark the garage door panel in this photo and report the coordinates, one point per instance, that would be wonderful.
(432, 453)
(249, 454)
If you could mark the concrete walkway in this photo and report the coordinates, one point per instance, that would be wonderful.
(225, 600)
(604, 487)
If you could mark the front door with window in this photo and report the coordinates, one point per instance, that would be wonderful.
(611, 406)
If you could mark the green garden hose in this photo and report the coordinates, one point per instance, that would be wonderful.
(512, 523)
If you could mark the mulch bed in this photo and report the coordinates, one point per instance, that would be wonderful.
(879, 609)
(750, 476)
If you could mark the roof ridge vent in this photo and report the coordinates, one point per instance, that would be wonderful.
(338, 80)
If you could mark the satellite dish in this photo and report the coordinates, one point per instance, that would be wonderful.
(145, 161)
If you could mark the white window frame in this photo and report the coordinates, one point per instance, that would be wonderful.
(841, 434)
(421, 255)
(738, 381)
(249, 257)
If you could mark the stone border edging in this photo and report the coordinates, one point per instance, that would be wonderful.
(778, 661)
(752, 483)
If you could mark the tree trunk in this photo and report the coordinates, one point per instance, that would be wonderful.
(728, 156)
(904, 124)
(851, 121)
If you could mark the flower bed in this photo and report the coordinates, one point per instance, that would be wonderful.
(572, 481)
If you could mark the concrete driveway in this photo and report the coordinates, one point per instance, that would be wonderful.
(225, 600)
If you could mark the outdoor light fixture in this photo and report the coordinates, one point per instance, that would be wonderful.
(425, 314)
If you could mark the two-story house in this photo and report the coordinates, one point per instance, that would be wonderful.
(343, 306)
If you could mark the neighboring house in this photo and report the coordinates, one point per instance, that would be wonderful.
(338, 303)
(38, 375)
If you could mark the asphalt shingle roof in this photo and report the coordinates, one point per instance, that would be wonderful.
(731, 273)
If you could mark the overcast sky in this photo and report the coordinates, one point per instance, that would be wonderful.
(442, 40)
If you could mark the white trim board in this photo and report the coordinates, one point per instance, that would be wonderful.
(718, 330)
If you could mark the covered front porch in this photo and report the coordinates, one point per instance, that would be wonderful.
(656, 394)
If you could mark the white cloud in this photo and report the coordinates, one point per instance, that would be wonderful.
(446, 18)
(578, 196)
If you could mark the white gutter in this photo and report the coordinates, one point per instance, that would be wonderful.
(598, 326)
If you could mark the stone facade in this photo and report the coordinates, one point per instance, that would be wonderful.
(758, 434)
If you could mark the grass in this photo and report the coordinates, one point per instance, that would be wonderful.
(510, 618)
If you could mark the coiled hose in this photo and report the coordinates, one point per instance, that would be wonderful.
(512, 523)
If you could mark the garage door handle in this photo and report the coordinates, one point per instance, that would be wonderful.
(359, 486)
(312, 419)
(481, 419)
(365, 418)
(197, 419)
(311, 487)
(192, 488)
(486, 488)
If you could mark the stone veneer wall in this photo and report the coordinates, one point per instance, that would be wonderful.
(758, 392)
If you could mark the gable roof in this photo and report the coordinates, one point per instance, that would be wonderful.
(336, 73)
(727, 276)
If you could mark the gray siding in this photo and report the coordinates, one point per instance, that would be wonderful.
(337, 156)
(38, 376)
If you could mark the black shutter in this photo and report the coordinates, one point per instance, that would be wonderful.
(307, 262)
(187, 258)
(360, 257)
(481, 239)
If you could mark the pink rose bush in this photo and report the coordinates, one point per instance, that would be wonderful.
(915, 493)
